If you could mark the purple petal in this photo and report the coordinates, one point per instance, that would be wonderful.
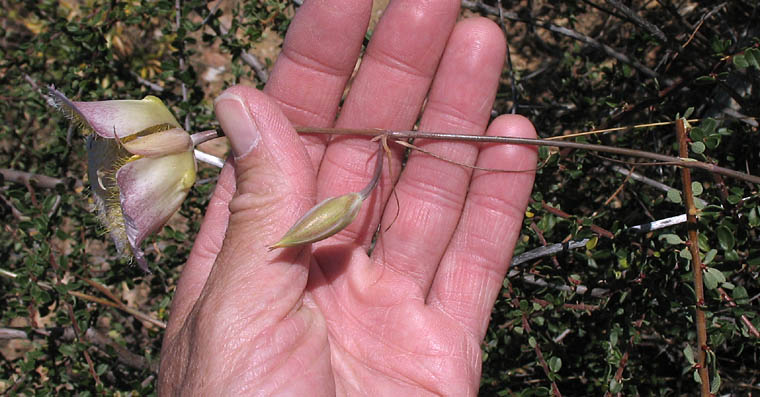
(151, 190)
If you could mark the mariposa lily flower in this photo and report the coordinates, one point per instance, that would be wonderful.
(140, 165)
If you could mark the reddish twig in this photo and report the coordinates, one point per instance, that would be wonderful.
(691, 222)
(564, 215)
(745, 320)
(16, 213)
(539, 354)
(542, 239)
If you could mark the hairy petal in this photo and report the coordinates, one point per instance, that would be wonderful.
(121, 118)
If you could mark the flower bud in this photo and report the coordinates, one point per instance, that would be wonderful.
(322, 221)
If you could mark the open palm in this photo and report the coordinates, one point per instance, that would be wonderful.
(328, 319)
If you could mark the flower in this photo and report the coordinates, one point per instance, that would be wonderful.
(140, 165)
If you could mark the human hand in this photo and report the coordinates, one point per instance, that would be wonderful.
(327, 318)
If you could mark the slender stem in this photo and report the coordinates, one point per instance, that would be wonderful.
(364, 193)
(203, 136)
(208, 158)
(679, 161)
(696, 262)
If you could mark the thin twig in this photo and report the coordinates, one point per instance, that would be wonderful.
(510, 68)
(91, 335)
(16, 213)
(55, 205)
(632, 15)
(651, 182)
(515, 300)
(251, 60)
(678, 161)
(576, 289)
(479, 6)
(112, 303)
(542, 239)
(696, 262)
(745, 320)
(149, 84)
(564, 215)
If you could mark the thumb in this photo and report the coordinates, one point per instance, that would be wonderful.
(275, 184)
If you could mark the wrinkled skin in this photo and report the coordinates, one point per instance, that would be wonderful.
(328, 319)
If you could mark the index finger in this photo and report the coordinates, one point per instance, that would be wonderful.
(319, 54)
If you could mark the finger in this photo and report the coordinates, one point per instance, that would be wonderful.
(274, 184)
(206, 247)
(388, 92)
(472, 269)
(320, 50)
(431, 191)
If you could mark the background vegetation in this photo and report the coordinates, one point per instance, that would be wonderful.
(616, 315)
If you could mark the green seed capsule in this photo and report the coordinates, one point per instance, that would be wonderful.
(322, 221)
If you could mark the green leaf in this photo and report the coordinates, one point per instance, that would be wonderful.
(710, 282)
(697, 134)
(713, 277)
(68, 350)
(712, 141)
(740, 295)
(671, 239)
(689, 354)
(555, 363)
(709, 256)
(753, 218)
(725, 238)
(674, 196)
(734, 198)
(740, 61)
(717, 273)
(697, 147)
(696, 188)
(709, 125)
(532, 342)
(752, 55)
(715, 384)
(615, 386)
(696, 377)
